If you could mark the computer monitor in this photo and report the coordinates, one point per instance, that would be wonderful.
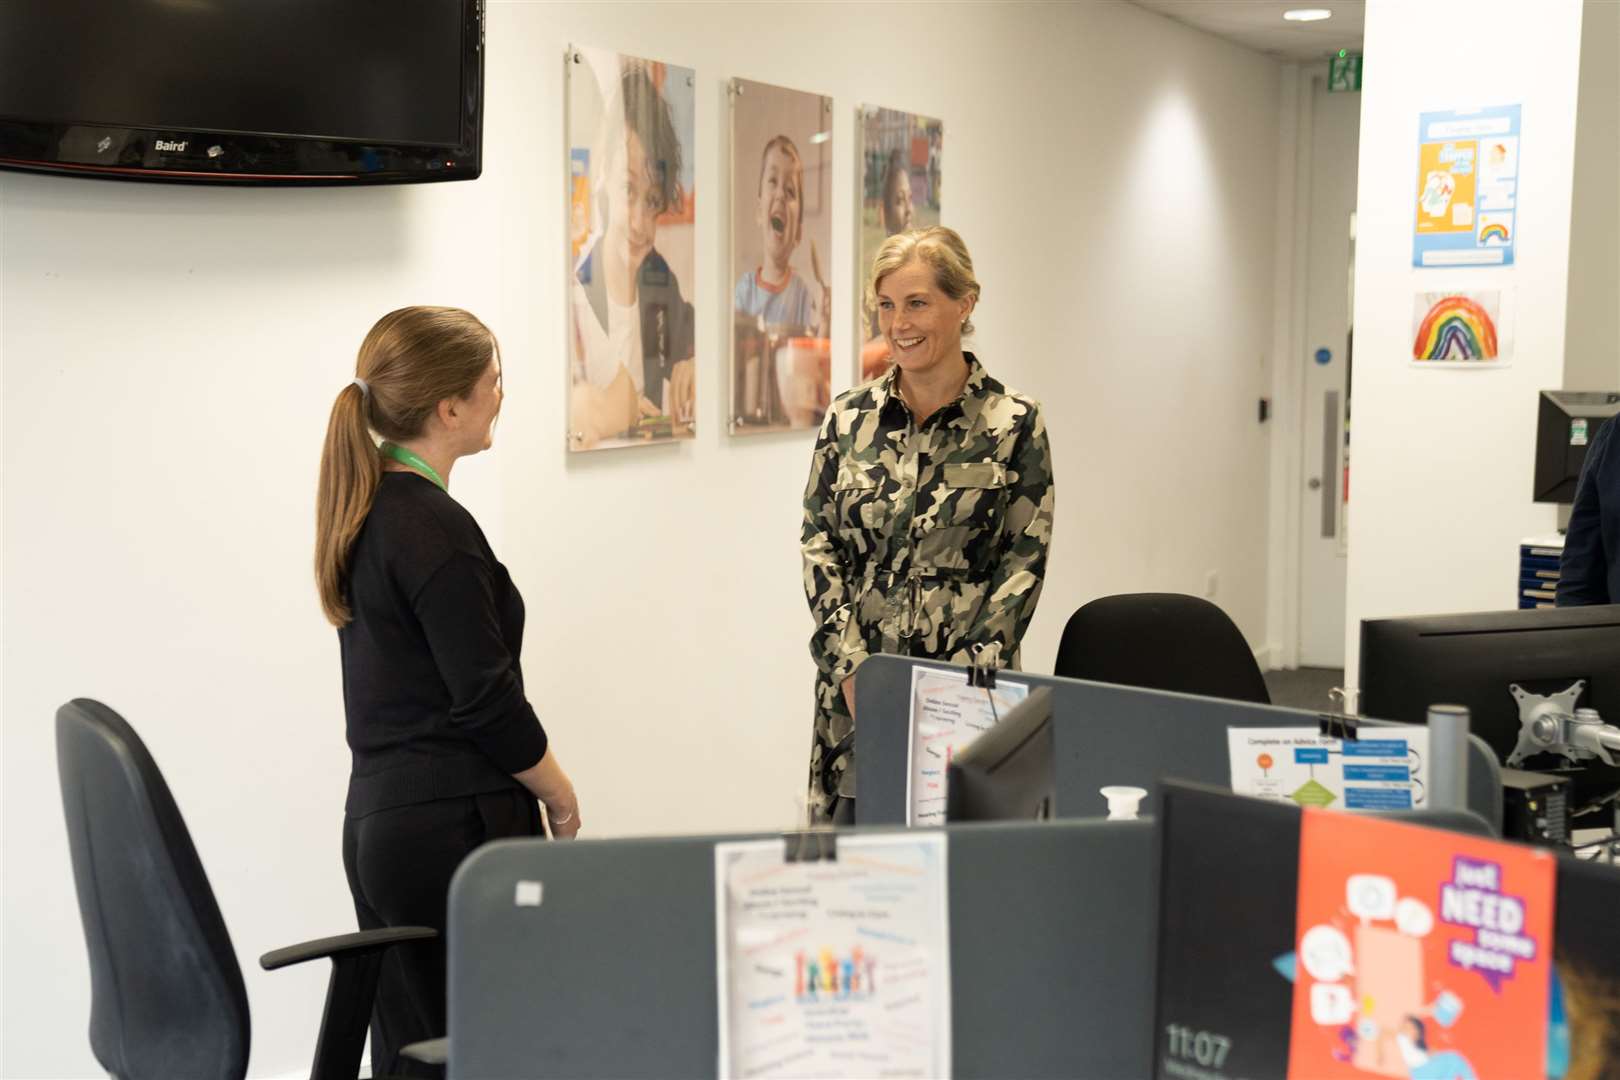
(1476, 660)
(1006, 773)
(1228, 896)
(1568, 422)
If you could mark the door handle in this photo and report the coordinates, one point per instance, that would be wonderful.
(1330, 462)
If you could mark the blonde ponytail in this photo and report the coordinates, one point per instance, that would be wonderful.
(350, 472)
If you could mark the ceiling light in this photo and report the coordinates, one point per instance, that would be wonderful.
(1314, 14)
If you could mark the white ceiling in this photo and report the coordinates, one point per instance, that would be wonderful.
(1259, 25)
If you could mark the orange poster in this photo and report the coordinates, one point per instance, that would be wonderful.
(1446, 172)
(1422, 953)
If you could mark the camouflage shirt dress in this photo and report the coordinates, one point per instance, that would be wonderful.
(919, 540)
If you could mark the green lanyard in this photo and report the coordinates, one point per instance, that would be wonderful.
(412, 460)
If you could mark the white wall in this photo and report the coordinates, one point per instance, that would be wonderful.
(1592, 335)
(170, 354)
(1443, 458)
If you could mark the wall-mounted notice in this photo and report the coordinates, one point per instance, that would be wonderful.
(834, 966)
(1467, 187)
(946, 715)
(1421, 953)
(1300, 765)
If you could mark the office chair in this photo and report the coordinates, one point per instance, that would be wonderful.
(167, 999)
(1161, 641)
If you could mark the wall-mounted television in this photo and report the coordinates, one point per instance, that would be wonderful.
(244, 91)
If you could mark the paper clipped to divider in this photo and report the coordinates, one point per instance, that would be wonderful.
(833, 961)
(1386, 769)
(947, 714)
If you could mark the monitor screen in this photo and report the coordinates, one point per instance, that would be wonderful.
(383, 72)
(1567, 423)
(1229, 879)
(1006, 774)
(1476, 661)
(211, 89)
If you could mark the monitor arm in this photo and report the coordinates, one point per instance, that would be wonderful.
(1553, 725)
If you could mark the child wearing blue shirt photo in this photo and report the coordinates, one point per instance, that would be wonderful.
(772, 290)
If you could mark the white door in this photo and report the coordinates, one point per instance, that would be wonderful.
(1329, 261)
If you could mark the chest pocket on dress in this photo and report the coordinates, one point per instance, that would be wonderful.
(858, 496)
(965, 516)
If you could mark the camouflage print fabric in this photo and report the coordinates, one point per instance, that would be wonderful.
(920, 540)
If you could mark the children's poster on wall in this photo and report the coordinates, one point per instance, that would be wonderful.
(1467, 187)
(1421, 952)
(632, 212)
(833, 961)
(1460, 329)
(781, 238)
(900, 190)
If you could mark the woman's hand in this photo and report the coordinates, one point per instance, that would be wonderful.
(547, 782)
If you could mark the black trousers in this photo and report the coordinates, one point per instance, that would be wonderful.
(399, 863)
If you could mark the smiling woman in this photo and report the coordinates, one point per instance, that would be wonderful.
(928, 513)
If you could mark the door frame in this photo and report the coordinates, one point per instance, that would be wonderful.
(1291, 254)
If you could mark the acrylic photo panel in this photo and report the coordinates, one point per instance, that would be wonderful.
(632, 214)
(781, 241)
(900, 167)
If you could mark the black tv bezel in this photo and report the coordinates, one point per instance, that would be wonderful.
(265, 158)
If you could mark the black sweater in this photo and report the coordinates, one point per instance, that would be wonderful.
(431, 683)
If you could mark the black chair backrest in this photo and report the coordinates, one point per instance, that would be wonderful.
(167, 999)
(1161, 641)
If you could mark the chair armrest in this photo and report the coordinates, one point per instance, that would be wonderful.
(428, 1051)
(343, 945)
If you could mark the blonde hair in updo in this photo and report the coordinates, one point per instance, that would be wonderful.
(938, 248)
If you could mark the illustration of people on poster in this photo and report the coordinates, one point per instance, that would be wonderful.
(1421, 953)
(632, 212)
(1467, 187)
(900, 156)
(781, 228)
(836, 962)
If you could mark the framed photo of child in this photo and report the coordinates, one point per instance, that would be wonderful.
(781, 239)
(900, 175)
(632, 214)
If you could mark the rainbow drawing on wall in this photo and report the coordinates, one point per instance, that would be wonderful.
(1494, 231)
(1456, 327)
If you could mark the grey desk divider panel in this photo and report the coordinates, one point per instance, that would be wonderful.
(1104, 734)
(612, 974)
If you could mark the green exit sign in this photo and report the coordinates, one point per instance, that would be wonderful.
(1344, 72)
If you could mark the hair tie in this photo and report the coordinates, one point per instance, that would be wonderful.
(365, 387)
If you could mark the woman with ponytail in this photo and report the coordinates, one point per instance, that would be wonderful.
(447, 752)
